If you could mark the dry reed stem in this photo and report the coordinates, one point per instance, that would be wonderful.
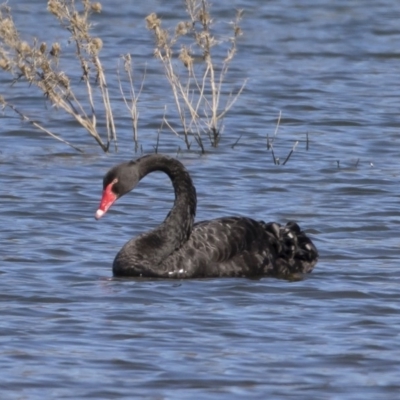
(271, 141)
(290, 153)
(278, 122)
(132, 103)
(198, 91)
(24, 117)
(39, 66)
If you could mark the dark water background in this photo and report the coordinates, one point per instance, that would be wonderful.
(68, 330)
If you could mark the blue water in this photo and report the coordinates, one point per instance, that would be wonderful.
(70, 330)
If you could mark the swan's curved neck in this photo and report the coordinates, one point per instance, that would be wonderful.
(184, 209)
(159, 243)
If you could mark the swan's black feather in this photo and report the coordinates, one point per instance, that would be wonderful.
(223, 247)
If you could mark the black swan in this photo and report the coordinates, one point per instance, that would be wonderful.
(223, 247)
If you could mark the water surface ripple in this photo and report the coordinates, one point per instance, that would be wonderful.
(69, 330)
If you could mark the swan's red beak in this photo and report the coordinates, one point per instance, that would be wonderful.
(107, 201)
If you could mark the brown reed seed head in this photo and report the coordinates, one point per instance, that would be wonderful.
(152, 21)
(45, 65)
(181, 29)
(43, 47)
(24, 48)
(95, 45)
(55, 8)
(5, 64)
(27, 71)
(238, 31)
(204, 17)
(78, 21)
(186, 58)
(63, 80)
(7, 30)
(96, 7)
(55, 50)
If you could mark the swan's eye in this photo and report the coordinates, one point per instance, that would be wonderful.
(111, 184)
(116, 187)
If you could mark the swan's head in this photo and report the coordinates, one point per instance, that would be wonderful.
(118, 181)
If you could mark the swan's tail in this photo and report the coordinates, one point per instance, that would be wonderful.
(295, 252)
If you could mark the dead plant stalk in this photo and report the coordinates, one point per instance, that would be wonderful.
(132, 102)
(198, 91)
(39, 65)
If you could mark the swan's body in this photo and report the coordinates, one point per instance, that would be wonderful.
(223, 247)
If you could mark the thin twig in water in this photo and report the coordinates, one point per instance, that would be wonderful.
(271, 141)
(157, 142)
(278, 123)
(273, 155)
(24, 117)
(131, 104)
(290, 153)
(237, 141)
(159, 131)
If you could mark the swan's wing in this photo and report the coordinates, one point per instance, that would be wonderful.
(230, 246)
(235, 246)
(224, 238)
